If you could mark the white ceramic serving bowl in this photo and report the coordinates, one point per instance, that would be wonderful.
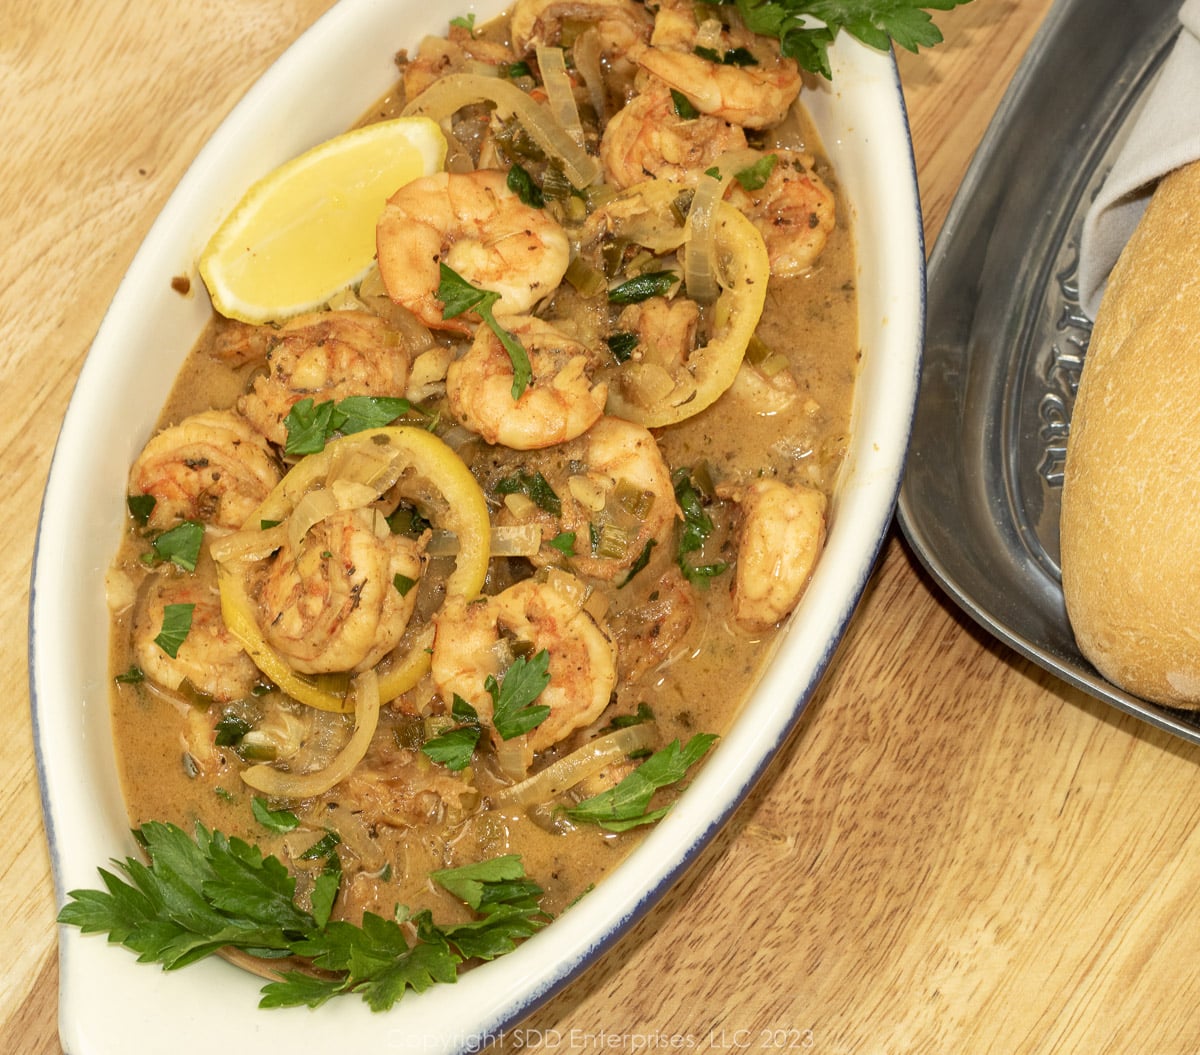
(110, 1004)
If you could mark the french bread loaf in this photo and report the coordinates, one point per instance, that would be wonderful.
(1130, 523)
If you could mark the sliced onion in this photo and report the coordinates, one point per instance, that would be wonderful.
(450, 94)
(699, 266)
(560, 95)
(578, 765)
(508, 540)
(316, 506)
(587, 51)
(249, 544)
(280, 784)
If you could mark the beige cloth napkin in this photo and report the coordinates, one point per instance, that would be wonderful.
(1165, 135)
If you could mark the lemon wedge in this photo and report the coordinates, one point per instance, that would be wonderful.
(307, 229)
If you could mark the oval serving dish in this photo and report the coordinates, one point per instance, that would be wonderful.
(111, 1004)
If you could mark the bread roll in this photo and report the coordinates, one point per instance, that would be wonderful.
(1130, 528)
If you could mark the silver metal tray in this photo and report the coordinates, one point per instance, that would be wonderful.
(1006, 338)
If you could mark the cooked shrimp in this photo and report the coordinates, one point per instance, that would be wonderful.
(470, 645)
(237, 344)
(748, 82)
(655, 628)
(622, 27)
(210, 659)
(779, 537)
(333, 602)
(648, 138)
(616, 497)
(665, 329)
(794, 210)
(459, 52)
(211, 467)
(764, 394)
(325, 355)
(474, 224)
(560, 402)
(622, 24)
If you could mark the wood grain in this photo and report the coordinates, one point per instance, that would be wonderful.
(954, 852)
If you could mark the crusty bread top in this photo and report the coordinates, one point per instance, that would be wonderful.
(1130, 528)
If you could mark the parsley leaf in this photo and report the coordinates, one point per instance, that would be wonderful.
(312, 425)
(697, 526)
(731, 57)
(533, 486)
(140, 507)
(564, 542)
(521, 183)
(458, 295)
(176, 625)
(454, 747)
(513, 710)
(278, 821)
(755, 176)
(622, 345)
(806, 28)
(180, 545)
(201, 893)
(642, 560)
(683, 106)
(627, 805)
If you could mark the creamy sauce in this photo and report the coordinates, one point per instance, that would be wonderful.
(172, 769)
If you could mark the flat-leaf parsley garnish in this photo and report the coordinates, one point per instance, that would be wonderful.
(312, 425)
(199, 894)
(806, 28)
(628, 804)
(513, 709)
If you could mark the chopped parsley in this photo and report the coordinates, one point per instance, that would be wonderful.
(176, 625)
(521, 183)
(640, 563)
(729, 57)
(755, 176)
(684, 109)
(140, 507)
(628, 804)
(622, 345)
(564, 542)
(513, 709)
(278, 821)
(133, 676)
(312, 425)
(454, 747)
(180, 545)
(533, 486)
(697, 527)
(458, 295)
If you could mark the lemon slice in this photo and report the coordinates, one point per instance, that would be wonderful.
(307, 230)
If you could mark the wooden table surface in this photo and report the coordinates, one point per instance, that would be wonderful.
(954, 853)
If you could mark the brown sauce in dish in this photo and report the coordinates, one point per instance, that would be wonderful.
(682, 654)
